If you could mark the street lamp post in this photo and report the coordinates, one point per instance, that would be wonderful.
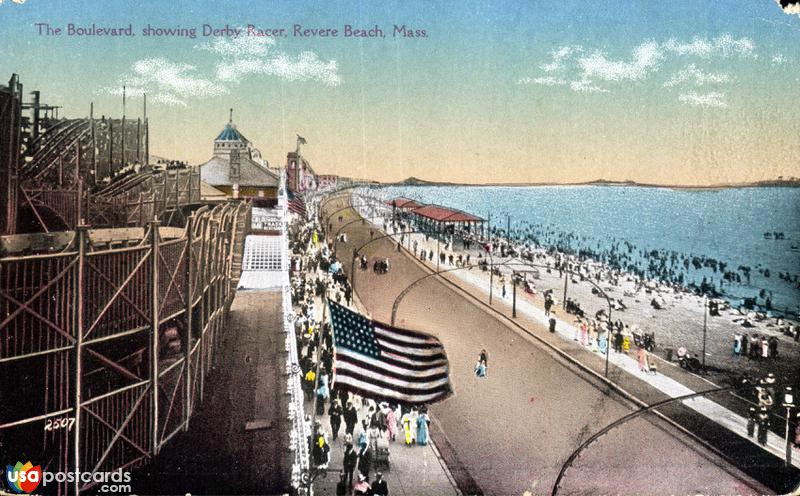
(514, 291)
(705, 327)
(788, 402)
(490, 249)
(608, 334)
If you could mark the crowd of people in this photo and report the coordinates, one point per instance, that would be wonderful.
(362, 428)
(755, 347)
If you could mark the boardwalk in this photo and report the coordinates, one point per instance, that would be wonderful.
(219, 455)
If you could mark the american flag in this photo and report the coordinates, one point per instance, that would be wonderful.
(382, 362)
(298, 206)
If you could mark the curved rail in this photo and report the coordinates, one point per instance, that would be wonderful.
(623, 420)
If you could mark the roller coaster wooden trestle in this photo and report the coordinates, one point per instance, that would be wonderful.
(104, 344)
(110, 315)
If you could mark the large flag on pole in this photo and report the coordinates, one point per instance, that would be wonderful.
(386, 363)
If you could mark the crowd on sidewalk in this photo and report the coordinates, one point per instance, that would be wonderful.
(361, 427)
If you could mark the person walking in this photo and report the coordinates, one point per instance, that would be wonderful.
(480, 368)
(322, 393)
(341, 486)
(763, 426)
(755, 346)
(321, 453)
(365, 460)
(406, 420)
(379, 487)
(349, 463)
(584, 333)
(391, 424)
(642, 359)
(751, 422)
(308, 384)
(362, 487)
(350, 418)
(363, 439)
(422, 427)
(335, 413)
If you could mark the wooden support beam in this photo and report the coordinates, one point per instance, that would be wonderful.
(154, 249)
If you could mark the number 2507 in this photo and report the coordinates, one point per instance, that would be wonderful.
(62, 423)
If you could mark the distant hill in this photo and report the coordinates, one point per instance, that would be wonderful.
(792, 182)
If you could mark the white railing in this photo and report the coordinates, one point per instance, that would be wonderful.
(299, 433)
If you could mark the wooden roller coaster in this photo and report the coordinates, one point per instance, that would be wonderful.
(113, 300)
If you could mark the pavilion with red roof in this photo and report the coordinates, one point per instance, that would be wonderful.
(405, 203)
(438, 218)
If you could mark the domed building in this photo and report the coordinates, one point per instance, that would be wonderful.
(236, 169)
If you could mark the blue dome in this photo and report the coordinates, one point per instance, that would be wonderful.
(230, 134)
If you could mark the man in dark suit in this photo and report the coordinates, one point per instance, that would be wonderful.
(349, 463)
(379, 487)
(365, 460)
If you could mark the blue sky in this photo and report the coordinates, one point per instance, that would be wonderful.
(497, 91)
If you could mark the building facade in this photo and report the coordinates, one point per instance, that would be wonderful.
(300, 177)
(237, 169)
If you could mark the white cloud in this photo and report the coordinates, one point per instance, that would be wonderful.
(305, 67)
(546, 81)
(724, 45)
(166, 81)
(172, 83)
(242, 46)
(691, 74)
(169, 99)
(558, 57)
(248, 55)
(645, 59)
(778, 59)
(586, 86)
(585, 70)
(712, 99)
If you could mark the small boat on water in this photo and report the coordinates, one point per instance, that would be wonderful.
(767, 235)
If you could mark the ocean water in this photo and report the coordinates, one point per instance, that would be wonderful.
(626, 223)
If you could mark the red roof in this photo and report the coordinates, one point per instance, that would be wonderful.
(444, 214)
(405, 203)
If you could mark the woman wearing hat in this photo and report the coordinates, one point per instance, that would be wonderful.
(362, 486)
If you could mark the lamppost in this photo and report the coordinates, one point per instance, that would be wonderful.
(705, 328)
(788, 403)
(491, 272)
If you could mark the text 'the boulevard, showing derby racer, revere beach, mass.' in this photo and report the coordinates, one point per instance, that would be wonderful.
(228, 31)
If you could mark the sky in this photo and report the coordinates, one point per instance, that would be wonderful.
(679, 93)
